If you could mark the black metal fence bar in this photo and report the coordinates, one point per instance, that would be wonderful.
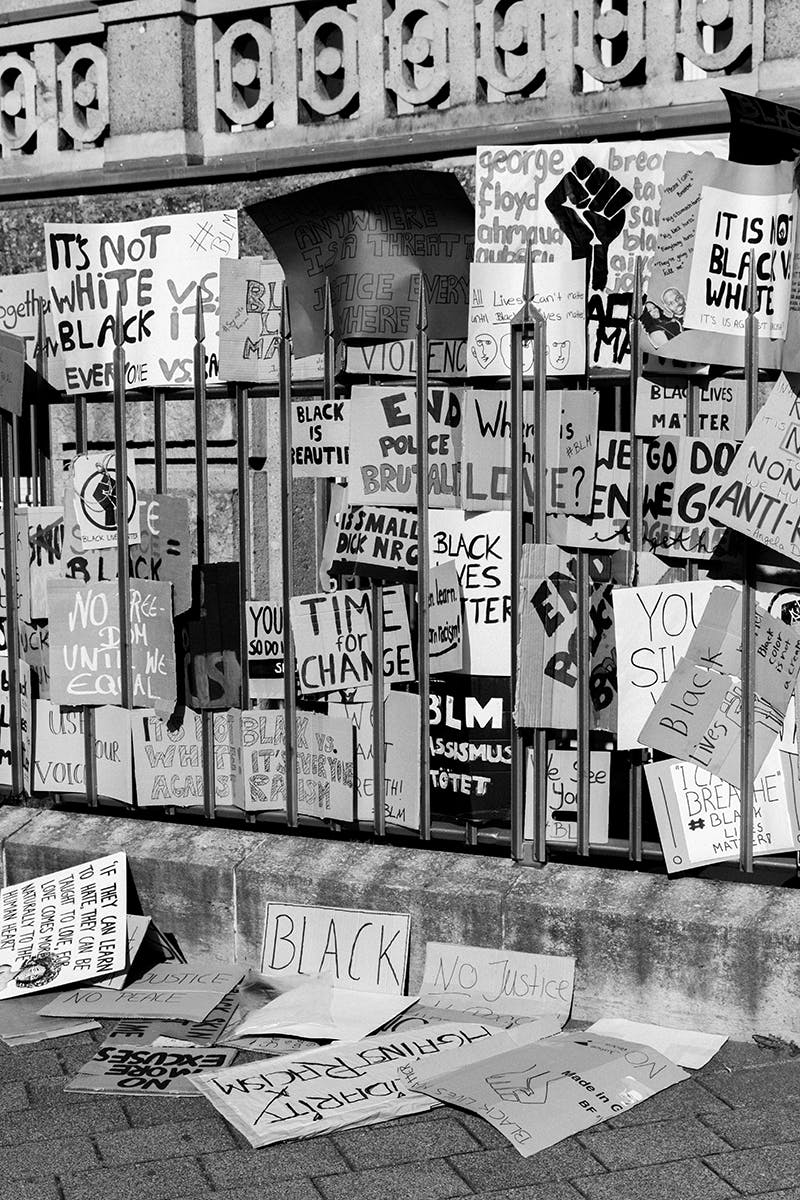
(287, 560)
(160, 441)
(9, 486)
(635, 515)
(121, 475)
(584, 666)
(201, 464)
(245, 539)
(378, 723)
(748, 668)
(423, 564)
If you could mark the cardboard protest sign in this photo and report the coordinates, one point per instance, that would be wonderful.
(92, 496)
(321, 1090)
(128, 1069)
(320, 438)
(333, 642)
(383, 441)
(66, 927)
(495, 299)
(84, 644)
(762, 131)
(265, 654)
(165, 550)
(24, 697)
(21, 298)
(593, 202)
(713, 214)
(137, 931)
(46, 546)
(486, 450)
(397, 357)
(606, 525)
(317, 1009)
(187, 992)
(371, 236)
(654, 628)
(21, 1024)
(487, 983)
(445, 631)
(400, 758)
(210, 639)
(12, 372)
(250, 294)
(700, 476)
(378, 543)
(661, 406)
(684, 1047)
(470, 747)
(363, 951)
(156, 266)
(205, 1032)
(23, 572)
(35, 650)
(481, 548)
(168, 759)
(562, 796)
(698, 813)
(571, 453)
(59, 764)
(539, 1094)
(547, 677)
(761, 494)
(325, 770)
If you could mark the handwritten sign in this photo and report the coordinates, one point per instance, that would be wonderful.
(65, 927)
(396, 358)
(24, 699)
(46, 545)
(661, 406)
(265, 659)
(445, 630)
(378, 543)
(562, 796)
(363, 951)
(250, 295)
(400, 760)
(23, 573)
(21, 298)
(12, 372)
(496, 298)
(59, 764)
(168, 759)
(571, 453)
(93, 497)
(128, 1069)
(188, 991)
(320, 438)
(85, 637)
(470, 759)
(325, 771)
(485, 983)
(156, 266)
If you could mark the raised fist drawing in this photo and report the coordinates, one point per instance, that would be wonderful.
(524, 1087)
(589, 205)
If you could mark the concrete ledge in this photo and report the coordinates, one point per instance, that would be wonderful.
(708, 954)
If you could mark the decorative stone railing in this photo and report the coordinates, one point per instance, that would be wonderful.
(128, 88)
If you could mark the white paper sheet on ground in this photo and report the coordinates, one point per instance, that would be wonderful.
(497, 983)
(539, 1094)
(137, 928)
(685, 1047)
(353, 1016)
(334, 1087)
(21, 1023)
(181, 992)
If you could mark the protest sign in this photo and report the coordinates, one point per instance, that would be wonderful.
(547, 677)
(445, 631)
(12, 372)
(168, 759)
(400, 758)
(320, 438)
(562, 796)
(605, 527)
(21, 298)
(684, 1047)
(762, 131)
(210, 639)
(265, 654)
(187, 992)
(128, 1069)
(378, 543)
(137, 931)
(205, 1032)
(250, 296)
(661, 406)
(497, 983)
(701, 471)
(84, 644)
(383, 446)
(495, 299)
(397, 357)
(331, 1088)
(761, 494)
(21, 1024)
(165, 550)
(698, 813)
(45, 554)
(486, 450)
(59, 764)
(35, 651)
(24, 699)
(325, 771)
(481, 548)
(92, 497)
(593, 202)
(155, 266)
(363, 951)
(23, 572)
(470, 747)
(370, 237)
(713, 215)
(333, 639)
(654, 627)
(539, 1094)
(66, 927)
(571, 452)
(317, 1009)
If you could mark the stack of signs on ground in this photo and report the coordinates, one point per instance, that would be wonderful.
(363, 954)
(129, 1069)
(67, 927)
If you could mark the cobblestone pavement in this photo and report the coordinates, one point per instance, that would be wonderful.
(733, 1129)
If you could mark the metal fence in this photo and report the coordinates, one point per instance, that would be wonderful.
(629, 843)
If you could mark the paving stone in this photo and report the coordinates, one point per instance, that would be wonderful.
(21, 1063)
(31, 1191)
(670, 1181)
(660, 1142)
(287, 1160)
(427, 1181)
(489, 1137)
(753, 1086)
(141, 1181)
(49, 1093)
(748, 1054)
(59, 1121)
(768, 1126)
(541, 1191)
(35, 1160)
(13, 1096)
(164, 1110)
(493, 1169)
(379, 1145)
(155, 1142)
(686, 1099)
(769, 1168)
(287, 1189)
